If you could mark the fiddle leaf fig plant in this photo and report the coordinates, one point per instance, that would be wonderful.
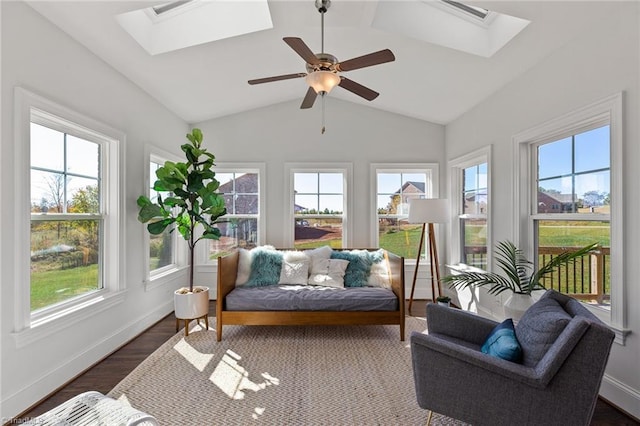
(193, 199)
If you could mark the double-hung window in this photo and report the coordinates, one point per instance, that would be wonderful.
(319, 205)
(470, 180)
(66, 214)
(241, 187)
(572, 208)
(70, 188)
(394, 186)
(570, 195)
(166, 251)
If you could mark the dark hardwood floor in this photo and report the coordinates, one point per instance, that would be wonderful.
(103, 376)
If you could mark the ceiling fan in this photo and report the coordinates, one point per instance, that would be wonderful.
(323, 69)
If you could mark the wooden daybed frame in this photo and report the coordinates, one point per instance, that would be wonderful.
(228, 270)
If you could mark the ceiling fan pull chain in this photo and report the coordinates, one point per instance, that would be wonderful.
(322, 131)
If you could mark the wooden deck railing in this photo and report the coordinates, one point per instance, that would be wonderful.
(587, 278)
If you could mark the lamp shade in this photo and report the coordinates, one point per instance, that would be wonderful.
(428, 210)
(323, 81)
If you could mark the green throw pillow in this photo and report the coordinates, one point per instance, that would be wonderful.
(265, 268)
(357, 274)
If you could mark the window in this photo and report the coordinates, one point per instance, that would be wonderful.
(70, 243)
(395, 185)
(166, 253)
(570, 196)
(241, 188)
(472, 10)
(319, 206)
(572, 208)
(470, 204)
(66, 216)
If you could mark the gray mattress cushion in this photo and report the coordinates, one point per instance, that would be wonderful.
(310, 298)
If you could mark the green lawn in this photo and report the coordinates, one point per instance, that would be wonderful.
(49, 287)
(403, 241)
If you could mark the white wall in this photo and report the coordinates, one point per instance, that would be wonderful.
(44, 60)
(283, 133)
(39, 57)
(604, 61)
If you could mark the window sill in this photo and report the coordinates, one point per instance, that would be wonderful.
(165, 277)
(48, 325)
(461, 267)
(603, 313)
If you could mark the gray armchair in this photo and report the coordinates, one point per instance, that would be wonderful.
(565, 350)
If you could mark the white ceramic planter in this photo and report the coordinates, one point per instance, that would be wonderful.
(516, 305)
(191, 305)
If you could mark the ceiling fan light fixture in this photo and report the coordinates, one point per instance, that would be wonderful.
(323, 81)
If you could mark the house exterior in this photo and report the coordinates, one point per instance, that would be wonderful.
(555, 203)
(40, 57)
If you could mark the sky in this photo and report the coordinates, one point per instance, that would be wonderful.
(49, 159)
(591, 155)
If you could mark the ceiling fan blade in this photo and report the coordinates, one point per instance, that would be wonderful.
(374, 58)
(309, 98)
(302, 49)
(277, 78)
(358, 89)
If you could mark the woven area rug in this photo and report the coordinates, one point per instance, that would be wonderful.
(280, 375)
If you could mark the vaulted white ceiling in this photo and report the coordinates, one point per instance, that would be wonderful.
(427, 80)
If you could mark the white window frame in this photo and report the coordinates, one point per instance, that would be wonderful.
(239, 168)
(167, 274)
(27, 326)
(456, 188)
(347, 171)
(605, 111)
(432, 185)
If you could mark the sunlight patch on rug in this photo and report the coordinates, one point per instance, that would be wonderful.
(288, 375)
(233, 379)
(197, 359)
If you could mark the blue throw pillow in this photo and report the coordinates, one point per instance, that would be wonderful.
(357, 273)
(265, 268)
(502, 342)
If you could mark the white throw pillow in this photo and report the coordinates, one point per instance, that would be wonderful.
(294, 272)
(329, 273)
(244, 264)
(380, 275)
(318, 254)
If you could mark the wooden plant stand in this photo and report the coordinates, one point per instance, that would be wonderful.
(188, 320)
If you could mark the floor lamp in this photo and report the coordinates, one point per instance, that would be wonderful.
(428, 211)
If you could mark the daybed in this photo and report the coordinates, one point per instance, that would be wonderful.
(262, 294)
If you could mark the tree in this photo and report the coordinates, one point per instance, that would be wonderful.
(392, 207)
(85, 200)
(549, 191)
(593, 198)
(55, 183)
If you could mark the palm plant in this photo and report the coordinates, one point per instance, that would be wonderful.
(519, 274)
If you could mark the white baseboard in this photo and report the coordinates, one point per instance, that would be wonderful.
(21, 400)
(621, 395)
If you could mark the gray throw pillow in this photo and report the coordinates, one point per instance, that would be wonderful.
(539, 328)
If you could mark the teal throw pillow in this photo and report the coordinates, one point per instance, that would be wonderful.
(265, 268)
(502, 342)
(357, 273)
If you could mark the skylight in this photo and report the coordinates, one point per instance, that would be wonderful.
(450, 24)
(185, 23)
(472, 10)
(159, 10)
